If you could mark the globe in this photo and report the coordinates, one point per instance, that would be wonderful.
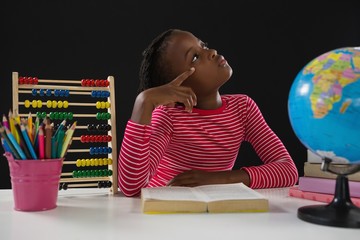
(324, 105)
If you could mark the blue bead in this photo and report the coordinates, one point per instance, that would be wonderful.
(56, 92)
(48, 92)
(41, 92)
(34, 92)
(67, 93)
(93, 93)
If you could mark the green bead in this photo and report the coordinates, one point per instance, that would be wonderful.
(70, 115)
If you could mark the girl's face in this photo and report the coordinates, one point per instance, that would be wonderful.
(184, 51)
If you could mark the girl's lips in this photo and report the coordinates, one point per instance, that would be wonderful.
(222, 61)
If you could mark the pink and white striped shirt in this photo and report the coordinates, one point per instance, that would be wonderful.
(176, 141)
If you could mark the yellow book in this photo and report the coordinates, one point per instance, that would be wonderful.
(218, 198)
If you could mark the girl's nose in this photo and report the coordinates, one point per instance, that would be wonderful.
(212, 53)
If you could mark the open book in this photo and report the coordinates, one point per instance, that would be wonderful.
(219, 198)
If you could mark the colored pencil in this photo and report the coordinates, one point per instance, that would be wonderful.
(61, 126)
(28, 142)
(23, 144)
(5, 122)
(6, 138)
(5, 145)
(41, 143)
(30, 128)
(15, 143)
(12, 126)
(60, 141)
(48, 135)
(68, 139)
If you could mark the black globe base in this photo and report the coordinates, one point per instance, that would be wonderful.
(331, 215)
(341, 212)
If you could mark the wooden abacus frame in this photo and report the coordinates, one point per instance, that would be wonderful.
(75, 88)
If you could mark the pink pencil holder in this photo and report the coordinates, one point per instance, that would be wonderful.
(35, 183)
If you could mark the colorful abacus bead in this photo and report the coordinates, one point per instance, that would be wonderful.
(103, 116)
(104, 184)
(63, 186)
(56, 92)
(28, 80)
(91, 127)
(92, 173)
(41, 115)
(27, 103)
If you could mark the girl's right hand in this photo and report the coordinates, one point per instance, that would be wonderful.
(172, 93)
(168, 94)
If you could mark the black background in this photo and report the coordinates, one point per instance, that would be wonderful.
(266, 43)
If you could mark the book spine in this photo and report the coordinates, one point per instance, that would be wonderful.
(314, 170)
(319, 197)
(323, 185)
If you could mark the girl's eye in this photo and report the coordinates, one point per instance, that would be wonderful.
(196, 57)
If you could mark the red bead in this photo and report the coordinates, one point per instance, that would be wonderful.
(97, 83)
(83, 82)
(109, 138)
(35, 80)
(107, 83)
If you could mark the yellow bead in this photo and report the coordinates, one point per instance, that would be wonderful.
(34, 103)
(96, 162)
(105, 161)
(27, 103)
(65, 104)
(107, 105)
(83, 162)
(110, 161)
(48, 103)
(102, 105)
(60, 104)
(92, 162)
(98, 105)
(101, 162)
(88, 162)
(78, 163)
(54, 104)
(39, 103)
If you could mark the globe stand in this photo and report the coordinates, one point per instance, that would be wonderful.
(341, 212)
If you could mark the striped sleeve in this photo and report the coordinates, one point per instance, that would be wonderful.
(278, 170)
(141, 150)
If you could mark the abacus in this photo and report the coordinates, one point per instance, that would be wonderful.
(91, 158)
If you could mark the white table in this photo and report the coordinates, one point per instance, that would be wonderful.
(88, 214)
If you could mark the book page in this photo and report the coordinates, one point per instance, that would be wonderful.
(228, 192)
(170, 193)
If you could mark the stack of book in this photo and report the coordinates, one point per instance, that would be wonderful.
(319, 186)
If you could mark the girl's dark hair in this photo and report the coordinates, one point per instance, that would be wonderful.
(154, 71)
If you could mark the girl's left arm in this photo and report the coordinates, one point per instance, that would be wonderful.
(279, 169)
